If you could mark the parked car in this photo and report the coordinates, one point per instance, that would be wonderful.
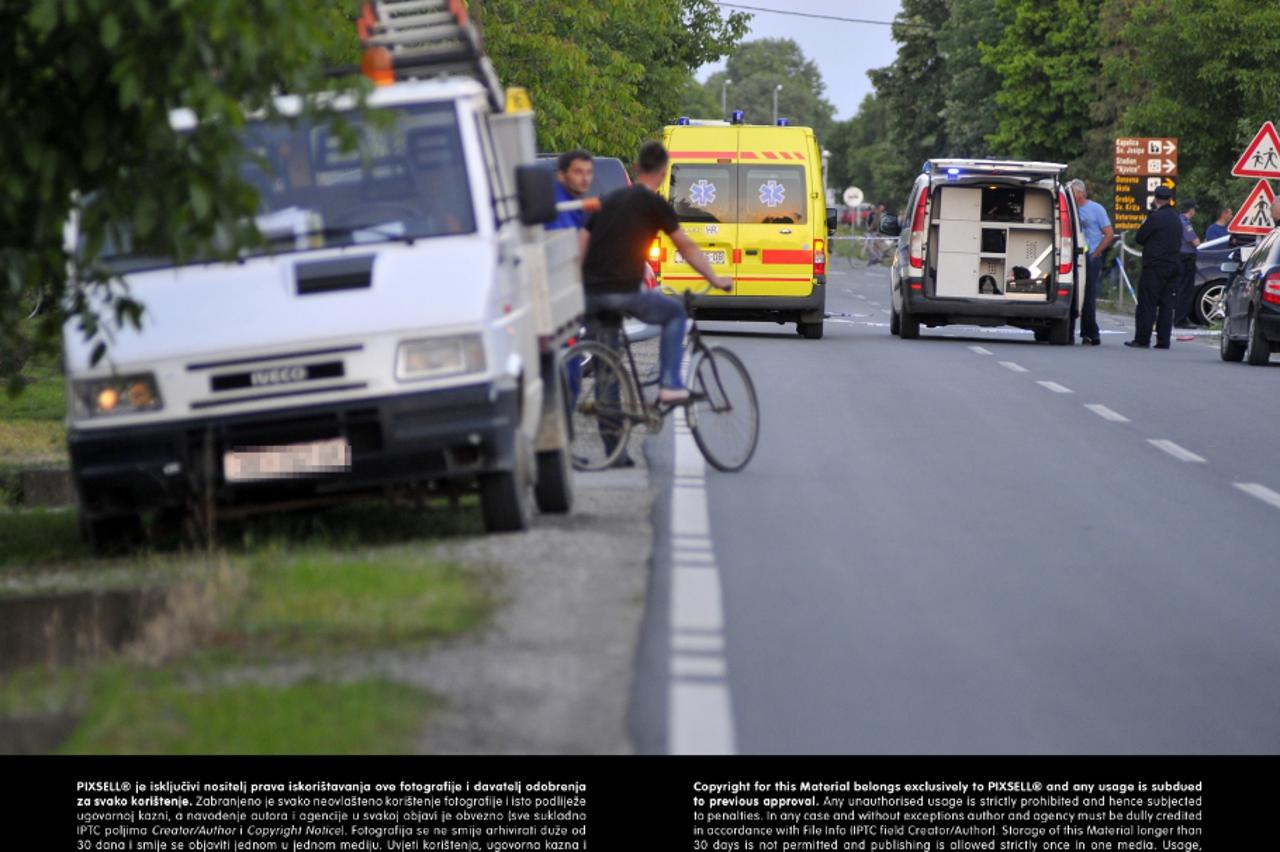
(1211, 281)
(1251, 326)
(610, 174)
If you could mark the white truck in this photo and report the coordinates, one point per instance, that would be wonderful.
(398, 330)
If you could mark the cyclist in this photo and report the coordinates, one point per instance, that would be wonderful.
(615, 244)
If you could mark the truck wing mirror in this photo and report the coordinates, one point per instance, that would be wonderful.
(831, 221)
(889, 225)
(536, 189)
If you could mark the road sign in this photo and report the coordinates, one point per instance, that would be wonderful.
(852, 196)
(1254, 216)
(1262, 158)
(1142, 164)
(1146, 156)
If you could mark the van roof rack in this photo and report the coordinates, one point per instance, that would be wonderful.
(429, 38)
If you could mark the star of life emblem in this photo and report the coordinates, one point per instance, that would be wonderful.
(772, 193)
(702, 192)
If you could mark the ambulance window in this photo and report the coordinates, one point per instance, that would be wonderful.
(771, 195)
(703, 192)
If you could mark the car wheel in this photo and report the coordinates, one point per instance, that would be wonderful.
(1208, 304)
(1257, 349)
(1230, 350)
(111, 535)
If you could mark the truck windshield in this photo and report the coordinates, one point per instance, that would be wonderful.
(404, 179)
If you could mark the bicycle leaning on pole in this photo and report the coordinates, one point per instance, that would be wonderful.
(609, 399)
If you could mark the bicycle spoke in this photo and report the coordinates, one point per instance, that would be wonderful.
(602, 399)
(724, 417)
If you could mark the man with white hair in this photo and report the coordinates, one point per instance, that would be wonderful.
(1098, 236)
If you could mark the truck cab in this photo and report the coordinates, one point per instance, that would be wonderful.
(396, 328)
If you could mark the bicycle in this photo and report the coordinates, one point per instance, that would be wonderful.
(722, 411)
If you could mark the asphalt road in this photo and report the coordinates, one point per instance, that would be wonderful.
(972, 543)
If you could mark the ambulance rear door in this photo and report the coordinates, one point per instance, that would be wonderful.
(703, 190)
(775, 227)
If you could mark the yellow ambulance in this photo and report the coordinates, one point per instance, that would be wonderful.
(752, 198)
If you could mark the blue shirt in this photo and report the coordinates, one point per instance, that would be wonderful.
(1093, 218)
(1188, 235)
(569, 219)
(1214, 231)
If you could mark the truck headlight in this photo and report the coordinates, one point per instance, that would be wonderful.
(437, 357)
(114, 395)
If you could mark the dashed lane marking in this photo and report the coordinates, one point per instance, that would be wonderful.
(1178, 452)
(981, 350)
(1055, 387)
(1015, 367)
(1106, 413)
(1262, 492)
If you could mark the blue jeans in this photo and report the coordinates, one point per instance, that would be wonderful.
(655, 309)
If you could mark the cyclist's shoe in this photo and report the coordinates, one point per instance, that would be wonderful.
(673, 396)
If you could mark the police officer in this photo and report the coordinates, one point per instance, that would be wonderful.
(1161, 239)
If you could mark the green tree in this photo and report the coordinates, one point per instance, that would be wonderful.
(863, 156)
(970, 115)
(1209, 74)
(912, 91)
(758, 67)
(605, 74)
(1048, 59)
(87, 87)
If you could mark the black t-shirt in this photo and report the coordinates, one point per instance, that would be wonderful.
(621, 234)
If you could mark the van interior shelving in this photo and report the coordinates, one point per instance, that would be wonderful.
(992, 235)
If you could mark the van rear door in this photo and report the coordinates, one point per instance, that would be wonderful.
(703, 189)
(775, 227)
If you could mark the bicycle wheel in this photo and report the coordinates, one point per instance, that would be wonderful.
(603, 404)
(723, 414)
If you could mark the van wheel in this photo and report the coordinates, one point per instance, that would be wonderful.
(908, 325)
(1257, 350)
(1042, 334)
(810, 330)
(505, 499)
(1061, 332)
(895, 321)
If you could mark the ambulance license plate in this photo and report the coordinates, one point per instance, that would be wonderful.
(252, 464)
(716, 257)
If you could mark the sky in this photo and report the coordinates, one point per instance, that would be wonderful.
(843, 51)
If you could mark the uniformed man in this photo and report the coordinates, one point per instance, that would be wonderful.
(1161, 239)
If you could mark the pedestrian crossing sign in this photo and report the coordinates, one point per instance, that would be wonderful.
(1262, 158)
(1254, 216)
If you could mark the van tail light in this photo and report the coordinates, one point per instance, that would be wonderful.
(1066, 236)
(917, 232)
(1271, 289)
(819, 257)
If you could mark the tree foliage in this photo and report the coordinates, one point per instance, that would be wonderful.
(604, 74)
(88, 86)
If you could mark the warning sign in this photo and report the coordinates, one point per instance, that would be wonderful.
(1262, 158)
(1255, 214)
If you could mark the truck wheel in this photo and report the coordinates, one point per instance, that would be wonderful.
(810, 330)
(1257, 350)
(908, 325)
(505, 500)
(554, 490)
(110, 535)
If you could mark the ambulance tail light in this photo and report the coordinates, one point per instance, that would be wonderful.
(1066, 236)
(916, 254)
(819, 257)
(1271, 289)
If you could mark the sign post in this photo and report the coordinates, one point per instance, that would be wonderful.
(1142, 165)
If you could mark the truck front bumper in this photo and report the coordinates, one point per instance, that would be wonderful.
(405, 440)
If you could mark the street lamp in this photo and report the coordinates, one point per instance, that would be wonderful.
(724, 98)
(826, 157)
(776, 89)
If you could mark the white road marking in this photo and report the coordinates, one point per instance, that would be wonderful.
(1106, 413)
(699, 707)
(981, 350)
(1262, 492)
(1178, 452)
(1010, 365)
(1055, 387)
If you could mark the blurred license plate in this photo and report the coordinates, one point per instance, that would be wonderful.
(716, 257)
(256, 463)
